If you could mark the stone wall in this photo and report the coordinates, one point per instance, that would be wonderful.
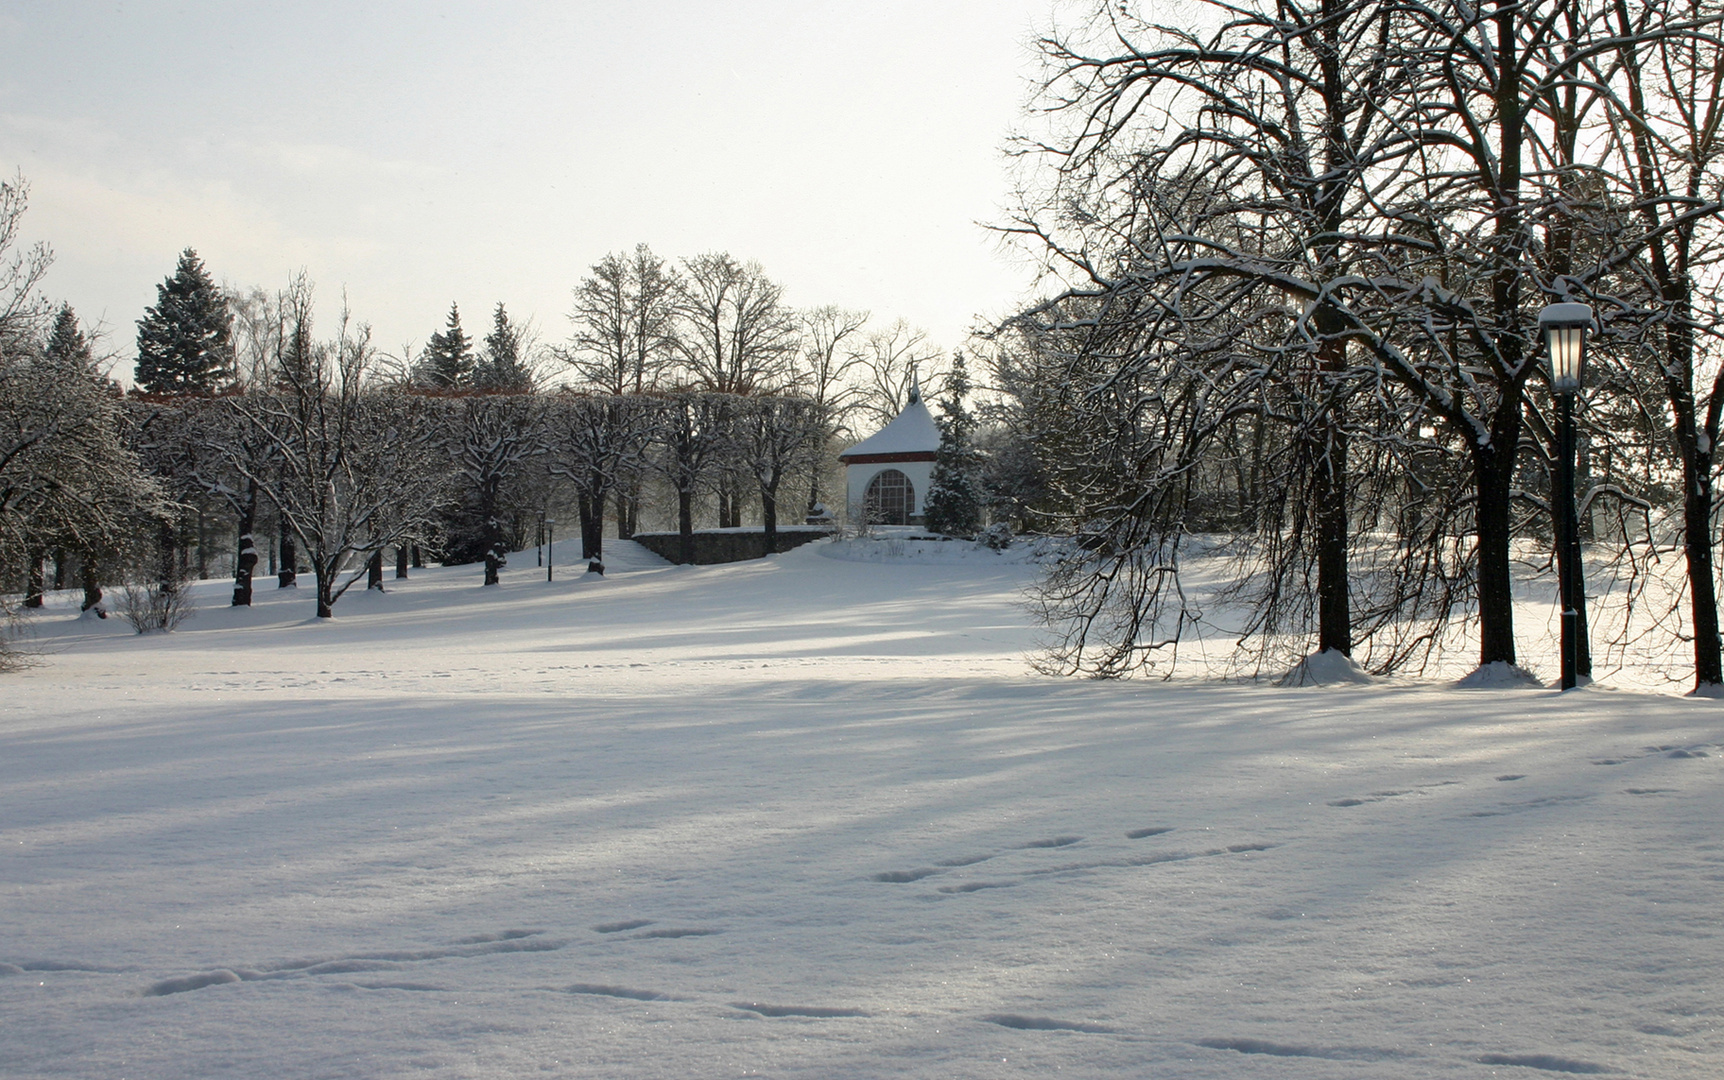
(728, 545)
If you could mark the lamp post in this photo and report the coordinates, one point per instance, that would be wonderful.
(1565, 327)
(550, 547)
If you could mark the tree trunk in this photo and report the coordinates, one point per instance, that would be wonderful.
(1493, 473)
(628, 512)
(246, 562)
(326, 574)
(1702, 590)
(203, 551)
(287, 577)
(33, 582)
(592, 512)
(769, 516)
(89, 571)
(59, 569)
(170, 574)
(374, 571)
(418, 557)
(495, 555)
(1334, 610)
(400, 561)
(685, 525)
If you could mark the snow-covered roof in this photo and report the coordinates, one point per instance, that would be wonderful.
(913, 431)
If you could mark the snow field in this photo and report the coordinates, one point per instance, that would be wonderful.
(811, 817)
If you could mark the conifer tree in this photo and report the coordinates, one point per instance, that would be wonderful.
(185, 342)
(68, 349)
(448, 360)
(954, 503)
(501, 368)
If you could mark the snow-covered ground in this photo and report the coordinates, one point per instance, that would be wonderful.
(813, 817)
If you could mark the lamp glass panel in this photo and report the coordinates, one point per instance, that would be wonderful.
(1566, 343)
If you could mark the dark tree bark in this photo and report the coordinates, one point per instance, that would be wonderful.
(246, 561)
(628, 512)
(401, 561)
(685, 525)
(769, 516)
(287, 577)
(374, 571)
(592, 511)
(89, 572)
(33, 583)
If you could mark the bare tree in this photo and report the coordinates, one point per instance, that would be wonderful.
(824, 373)
(735, 335)
(777, 435)
(494, 440)
(895, 360)
(359, 469)
(1666, 108)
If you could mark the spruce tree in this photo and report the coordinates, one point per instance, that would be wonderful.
(68, 349)
(185, 342)
(953, 506)
(448, 360)
(500, 369)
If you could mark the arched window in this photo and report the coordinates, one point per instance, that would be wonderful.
(890, 498)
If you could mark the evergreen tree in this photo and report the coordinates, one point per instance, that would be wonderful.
(955, 498)
(68, 349)
(448, 360)
(185, 342)
(501, 368)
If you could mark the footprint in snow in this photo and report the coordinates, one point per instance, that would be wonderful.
(1043, 1023)
(603, 990)
(818, 1012)
(1274, 1049)
(1547, 1062)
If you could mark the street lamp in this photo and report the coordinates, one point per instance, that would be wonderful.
(1565, 328)
(550, 547)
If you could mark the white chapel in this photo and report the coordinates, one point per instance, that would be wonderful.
(887, 474)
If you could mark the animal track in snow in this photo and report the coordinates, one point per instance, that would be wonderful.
(1330, 1053)
(1670, 750)
(1044, 1023)
(976, 886)
(1647, 791)
(619, 927)
(678, 932)
(902, 877)
(1530, 804)
(819, 1012)
(602, 990)
(509, 941)
(1547, 1062)
(964, 860)
(1512, 776)
(1051, 842)
(1375, 796)
(1154, 830)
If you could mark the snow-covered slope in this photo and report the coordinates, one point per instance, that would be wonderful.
(812, 817)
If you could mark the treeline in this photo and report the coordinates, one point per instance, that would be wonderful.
(1307, 245)
(256, 439)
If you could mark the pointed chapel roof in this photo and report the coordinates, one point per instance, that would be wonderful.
(912, 431)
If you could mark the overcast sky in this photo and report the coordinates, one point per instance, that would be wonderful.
(420, 153)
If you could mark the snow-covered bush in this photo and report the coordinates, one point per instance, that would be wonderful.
(160, 605)
(997, 536)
